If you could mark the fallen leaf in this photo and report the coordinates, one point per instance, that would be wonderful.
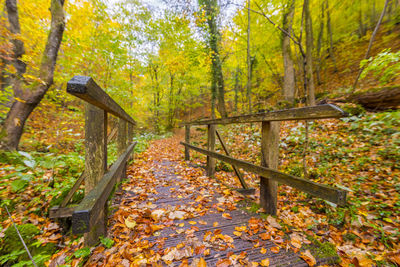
(308, 257)
(265, 262)
(130, 224)
(275, 250)
(263, 250)
(227, 216)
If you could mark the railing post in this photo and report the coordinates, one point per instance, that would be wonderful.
(95, 161)
(211, 147)
(121, 143)
(187, 140)
(269, 159)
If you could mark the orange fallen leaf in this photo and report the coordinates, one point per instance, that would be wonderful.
(192, 222)
(202, 222)
(227, 216)
(202, 263)
(215, 224)
(263, 251)
(224, 263)
(275, 250)
(308, 257)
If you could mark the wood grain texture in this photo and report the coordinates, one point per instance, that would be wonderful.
(87, 89)
(90, 208)
(305, 113)
(319, 190)
(211, 147)
(269, 159)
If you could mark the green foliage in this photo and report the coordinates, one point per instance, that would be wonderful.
(12, 250)
(107, 242)
(385, 66)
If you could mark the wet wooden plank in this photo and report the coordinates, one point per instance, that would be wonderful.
(87, 89)
(305, 113)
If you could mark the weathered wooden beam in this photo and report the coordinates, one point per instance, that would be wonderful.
(90, 208)
(323, 191)
(305, 113)
(71, 192)
(237, 172)
(269, 159)
(211, 147)
(61, 212)
(95, 145)
(187, 140)
(87, 89)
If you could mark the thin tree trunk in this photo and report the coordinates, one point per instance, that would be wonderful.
(319, 43)
(371, 42)
(309, 59)
(289, 75)
(248, 58)
(330, 34)
(23, 106)
(236, 88)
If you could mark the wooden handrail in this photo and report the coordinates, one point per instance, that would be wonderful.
(87, 89)
(331, 194)
(87, 212)
(305, 113)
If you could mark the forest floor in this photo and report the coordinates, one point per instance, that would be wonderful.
(360, 154)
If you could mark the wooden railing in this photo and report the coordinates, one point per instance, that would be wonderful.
(269, 176)
(89, 216)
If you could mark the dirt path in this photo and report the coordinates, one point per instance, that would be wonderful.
(171, 213)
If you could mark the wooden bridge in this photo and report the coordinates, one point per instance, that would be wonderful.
(211, 236)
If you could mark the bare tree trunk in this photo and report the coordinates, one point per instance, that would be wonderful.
(319, 43)
(309, 59)
(330, 34)
(248, 57)
(288, 79)
(236, 88)
(16, 80)
(371, 42)
(23, 106)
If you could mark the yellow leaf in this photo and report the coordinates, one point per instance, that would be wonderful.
(130, 224)
(263, 250)
(236, 233)
(192, 222)
(265, 262)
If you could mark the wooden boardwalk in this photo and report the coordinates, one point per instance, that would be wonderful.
(172, 214)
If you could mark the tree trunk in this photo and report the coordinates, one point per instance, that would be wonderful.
(289, 76)
(217, 81)
(236, 89)
(22, 107)
(309, 60)
(319, 43)
(330, 34)
(248, 58)
(16, 80)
